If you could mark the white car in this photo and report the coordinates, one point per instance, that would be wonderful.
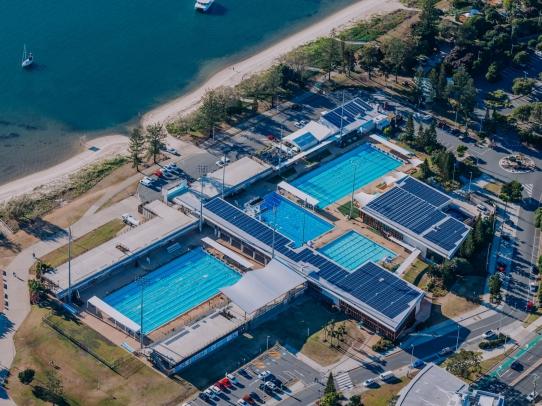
(146, 181)
(488, 334)
(303, 122)
(210, 393)
(264, 374)
(232, 378)
(171, 150)
(168, 174)
(215, 389)
(298, 124)
(271, 385)
(369, 382)
(533, 287)
(222, 161)
(130, 220)
(532, 397)
(242, 402)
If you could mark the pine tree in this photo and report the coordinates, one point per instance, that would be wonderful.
(442, 83)
(136, 148)
(468, 247)
(425, 170)
(408, 134)
(478, 232)
(330, 384)
(155, 137)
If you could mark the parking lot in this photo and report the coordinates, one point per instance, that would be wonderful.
(287, 373)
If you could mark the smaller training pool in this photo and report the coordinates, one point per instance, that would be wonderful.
(351, 250)
(292, 220)
(173, 289)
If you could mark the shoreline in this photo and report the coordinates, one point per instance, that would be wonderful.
(235, 73)
(114, 144)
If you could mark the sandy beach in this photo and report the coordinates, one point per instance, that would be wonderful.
(234, 74)
(230, 76)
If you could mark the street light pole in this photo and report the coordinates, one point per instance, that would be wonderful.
(470, 180)
(353, 189)
(457, 339)
(69, 264)
(411, 358)
(267, 344)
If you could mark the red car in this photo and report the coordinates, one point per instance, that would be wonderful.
(271, 137)
(159, 173)
(224, 383)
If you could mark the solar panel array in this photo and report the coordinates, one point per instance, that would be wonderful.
(373, 285)
(350, 112)
(406, 209)
(305, 141)
(448, 234)
(424, 191)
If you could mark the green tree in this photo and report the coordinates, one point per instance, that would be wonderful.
(464, 363)
(468, 248)
(511, 191)
(523, 86)
(368, 58)
(442, 85)
(27, 376)
(492, 74)
(355, 400)
(495, 287)
(408, 134)
(53, 383)
(463, 92)
(395, 55)
(136, 148)
(538, 218)
(426, 29)
(36, 289)
(331, 54)
(212, 110)
(425, 170)
(521, 58)
(330, 399)
(155, 137)
(330, 384)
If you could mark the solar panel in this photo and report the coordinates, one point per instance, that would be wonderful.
(424, 191)
(305, 141)
(449, 234)
(373, 285)
(350, 112)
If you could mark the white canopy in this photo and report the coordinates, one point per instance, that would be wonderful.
(258, 288)
(114, 314)
(298, 193)
(391, 145)
(229, 253)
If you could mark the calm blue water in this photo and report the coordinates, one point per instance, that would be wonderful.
(100, 63)
(291, 220)
(173, 289)
(333, 180)
(351, 250)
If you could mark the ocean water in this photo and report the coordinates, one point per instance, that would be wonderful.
(101, 63)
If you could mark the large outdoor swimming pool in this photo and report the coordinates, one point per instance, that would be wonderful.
(291, 220)
(173, 289)
(333, 180)
(351, 250)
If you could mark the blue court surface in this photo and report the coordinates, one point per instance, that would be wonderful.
(351, 250)
(292, 220)
(173, 289)
(333, 180)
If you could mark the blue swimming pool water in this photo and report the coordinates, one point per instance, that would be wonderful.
(351, 250)
(292, 220)
(333, 180)
(173, 289)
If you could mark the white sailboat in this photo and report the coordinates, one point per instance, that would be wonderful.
(203, 5)
(28, 58)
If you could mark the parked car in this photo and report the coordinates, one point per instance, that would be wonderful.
(419, 363)
(146, 181)
(271, 386)
(210, 394)
(298, 124)
(533, 396)
(232, 378)
(242, 402)
(203, 396)
(264, 375)
(171, 150)
(303, 122)
(445, 351)
(368, 383)
(222, 161)
(489, 334)
(248, 399)
(516, 366)
(244, 372)
(387, 376)
(216, 389)
(533, 287)
(127, 218)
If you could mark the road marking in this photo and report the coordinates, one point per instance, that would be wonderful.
(343, 381)
(528, 187)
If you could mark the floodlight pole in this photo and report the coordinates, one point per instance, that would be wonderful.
(69, 264)
(457, 339)
(353, 189)
(142, 283)
(223, 175)
(411, 357)
(342, 115)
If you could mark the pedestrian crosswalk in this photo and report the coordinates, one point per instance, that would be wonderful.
(528, 188)
(343, 381)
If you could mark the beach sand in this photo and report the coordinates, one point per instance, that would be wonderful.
(110, 145)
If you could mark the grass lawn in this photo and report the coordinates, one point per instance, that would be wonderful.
(462, 298)
(384, 394)
(84, 243)
(494, 188)
(532, 317)
(345, 210)
(85, 380)
(417, 274)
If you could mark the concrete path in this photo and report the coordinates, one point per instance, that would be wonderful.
(16, 278)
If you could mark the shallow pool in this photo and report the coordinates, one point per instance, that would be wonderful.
(292, 220)
(333, 180)
(173, 289)
(351, 250)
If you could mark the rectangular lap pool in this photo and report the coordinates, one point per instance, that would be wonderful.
(333, 180)
(291, 220)
(351, 250)
(173, 289)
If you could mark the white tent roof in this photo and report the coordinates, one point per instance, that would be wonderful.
(113, 313)
(391, 145)
(229, 253)
(258, 288)
(298, 193)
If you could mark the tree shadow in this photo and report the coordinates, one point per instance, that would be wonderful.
(42, 229)
(8, 244)
(6, 325)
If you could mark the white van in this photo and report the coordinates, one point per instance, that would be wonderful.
(386, 376)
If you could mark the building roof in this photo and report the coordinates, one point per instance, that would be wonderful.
(413, 208)
(432, 386)
(235, 175)
(258, 288)
(114, 314)
(349, 115)
(227, 252)
(298, 193)
(167, 222)
(308, 136)
(379, 293)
